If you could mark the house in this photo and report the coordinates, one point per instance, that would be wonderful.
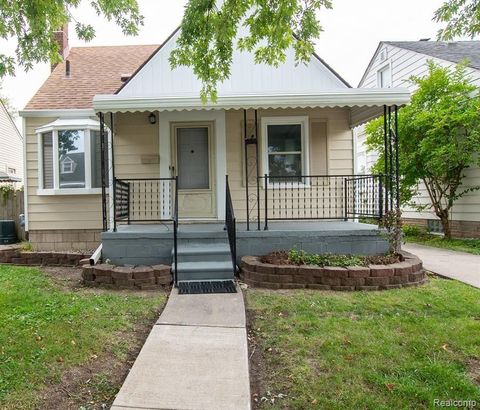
(11, 149)
(270, 160)
(392, 64)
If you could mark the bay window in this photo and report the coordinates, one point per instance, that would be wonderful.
(69, 157)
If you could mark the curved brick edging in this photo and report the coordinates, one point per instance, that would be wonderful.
(407, 273)
(15, 255)
(123, 277)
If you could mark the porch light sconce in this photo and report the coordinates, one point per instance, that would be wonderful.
(152, 118)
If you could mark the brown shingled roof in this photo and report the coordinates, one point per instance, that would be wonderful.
(93, 70)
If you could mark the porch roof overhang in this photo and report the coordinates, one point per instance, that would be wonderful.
(365, 103)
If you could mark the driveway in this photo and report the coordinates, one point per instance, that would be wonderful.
(461, 266)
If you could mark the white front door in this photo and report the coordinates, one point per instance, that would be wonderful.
(193, 159)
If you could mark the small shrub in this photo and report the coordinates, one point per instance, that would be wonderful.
(413, 230)
(302, 258)
(26, 246)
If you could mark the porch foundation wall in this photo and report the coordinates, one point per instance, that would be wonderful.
(65, 239)
(143, 248)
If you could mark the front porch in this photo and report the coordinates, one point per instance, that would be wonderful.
(151, 244)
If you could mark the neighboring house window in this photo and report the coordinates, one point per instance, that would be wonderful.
(70, 158)
(285, 146)
(67, 166)
(384, 77)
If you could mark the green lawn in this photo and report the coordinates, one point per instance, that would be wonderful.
(397, 349)
(454, 244)
(47, 329)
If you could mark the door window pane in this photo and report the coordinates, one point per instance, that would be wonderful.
(192, 158)
(71, 151)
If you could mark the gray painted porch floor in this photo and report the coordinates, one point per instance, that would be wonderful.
(273, 226)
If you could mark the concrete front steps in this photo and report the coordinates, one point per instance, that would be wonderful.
(203, 261)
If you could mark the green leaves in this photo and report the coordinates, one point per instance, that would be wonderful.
(462, 18)
(267, 29)
(33, 23)
(439, 137)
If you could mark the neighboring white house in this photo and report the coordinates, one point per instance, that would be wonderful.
(11, 148)
(392, 65)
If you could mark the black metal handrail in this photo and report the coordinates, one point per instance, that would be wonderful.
(230, 225)
(175, 235)
(315, 197)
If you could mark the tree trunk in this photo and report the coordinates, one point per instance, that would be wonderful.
(445, 220)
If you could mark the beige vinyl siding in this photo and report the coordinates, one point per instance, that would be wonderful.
(330, 147)
(11, 146)
(404, 64)
(136, 142)
(136, 146)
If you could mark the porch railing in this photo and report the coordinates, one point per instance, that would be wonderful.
(314, 197)
(144, 199)
(230, 225)
(148, 200)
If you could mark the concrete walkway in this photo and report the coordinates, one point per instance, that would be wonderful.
(461, 266)
(196, 357)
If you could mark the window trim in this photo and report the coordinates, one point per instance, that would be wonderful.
(304, 123)
(87, 126)
(382, 68)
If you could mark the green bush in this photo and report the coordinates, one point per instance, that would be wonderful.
(413, 230)
(303, 258)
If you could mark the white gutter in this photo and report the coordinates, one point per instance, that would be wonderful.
(348, 97)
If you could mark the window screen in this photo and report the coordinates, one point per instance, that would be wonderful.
(284, 149)
(71, 148)
(47, 155)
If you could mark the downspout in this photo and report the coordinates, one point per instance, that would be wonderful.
(25, 193)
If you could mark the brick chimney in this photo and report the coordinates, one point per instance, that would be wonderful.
(61, 37)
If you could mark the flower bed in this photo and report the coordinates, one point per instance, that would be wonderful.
(407, 272)
(15, 255)
(125, 277)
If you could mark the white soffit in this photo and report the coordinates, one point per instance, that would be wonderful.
(347, 97)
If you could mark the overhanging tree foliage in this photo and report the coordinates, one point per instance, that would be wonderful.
(206, 42)
(462, 18)
(439, 140)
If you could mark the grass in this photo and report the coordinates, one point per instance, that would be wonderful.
(454, 244)
(47, 330)
(368, 350)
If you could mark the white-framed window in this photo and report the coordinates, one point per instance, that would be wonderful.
(69, 158)
(384, 76)
(285, 146)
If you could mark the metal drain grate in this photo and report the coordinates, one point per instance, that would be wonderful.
(218, 286)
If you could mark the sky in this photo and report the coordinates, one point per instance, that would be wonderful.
(352, 31)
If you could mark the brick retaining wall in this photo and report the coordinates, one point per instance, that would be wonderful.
(15, 255)
(123, 277)
(407, 273)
